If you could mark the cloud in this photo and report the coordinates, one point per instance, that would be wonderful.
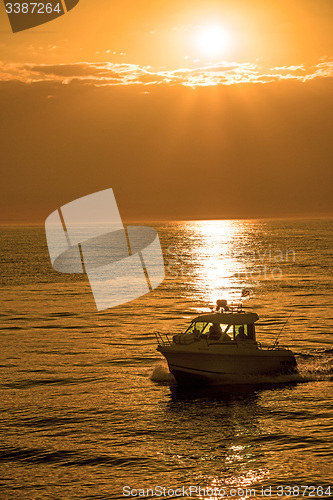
(111, 74)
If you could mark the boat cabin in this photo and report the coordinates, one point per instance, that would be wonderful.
(224, 326)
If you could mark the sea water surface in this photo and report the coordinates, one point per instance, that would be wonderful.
(90, 411)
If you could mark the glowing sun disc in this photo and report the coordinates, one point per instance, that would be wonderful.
(212, 40)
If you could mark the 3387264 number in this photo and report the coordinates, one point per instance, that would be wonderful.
(32, 8)
(303, 491)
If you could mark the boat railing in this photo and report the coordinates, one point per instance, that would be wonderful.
(236, 307)
(162, 338)
(276, 347)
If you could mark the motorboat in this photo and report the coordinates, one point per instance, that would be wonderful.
(221, 347)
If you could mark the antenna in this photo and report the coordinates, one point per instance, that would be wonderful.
(276, 340)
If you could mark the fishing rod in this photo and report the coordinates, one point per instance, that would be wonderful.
(276, 340)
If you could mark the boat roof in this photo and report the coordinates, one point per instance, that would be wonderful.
(228, 318)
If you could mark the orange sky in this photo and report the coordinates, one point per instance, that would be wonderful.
(124, 96)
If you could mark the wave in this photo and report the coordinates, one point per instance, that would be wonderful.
(27, 383)
(66, 458)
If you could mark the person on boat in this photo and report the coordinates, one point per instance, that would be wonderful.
(215, 331)
(241, 334)
(225, 337)
(196, 333)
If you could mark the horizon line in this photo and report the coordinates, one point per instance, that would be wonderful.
(143, 220)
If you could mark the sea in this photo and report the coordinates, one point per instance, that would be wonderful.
(89, 409)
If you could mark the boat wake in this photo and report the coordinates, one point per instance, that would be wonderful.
(162, 375)
(316, 367)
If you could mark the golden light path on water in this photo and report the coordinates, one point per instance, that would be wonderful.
(238, 477)
(240, 488)
(90, 406)
(216, 254)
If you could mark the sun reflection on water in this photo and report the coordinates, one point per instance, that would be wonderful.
(240, 486)
(214, 252)
(226, 442)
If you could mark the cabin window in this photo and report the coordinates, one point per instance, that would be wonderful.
(244, 332)
(201, 327)
(240, 332)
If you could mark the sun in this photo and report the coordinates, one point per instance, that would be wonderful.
(212, 40)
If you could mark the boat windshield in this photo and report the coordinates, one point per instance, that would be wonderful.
(201, 327)
(236, 332)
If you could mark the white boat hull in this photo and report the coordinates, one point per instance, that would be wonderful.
(234, 365)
